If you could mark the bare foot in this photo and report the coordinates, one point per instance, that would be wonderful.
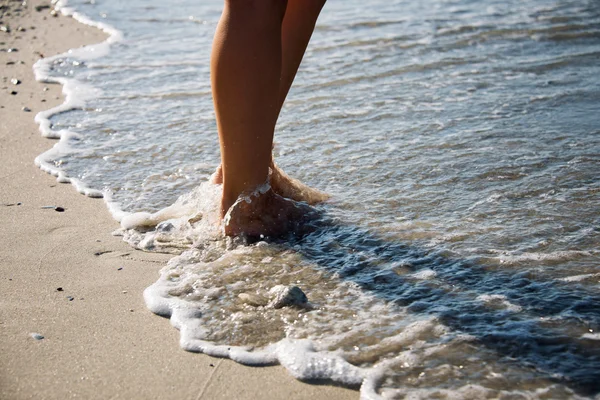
(283, 185)
(217, 176)
(286, 186)
(265, 214)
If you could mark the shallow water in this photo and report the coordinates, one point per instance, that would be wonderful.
(459, 254)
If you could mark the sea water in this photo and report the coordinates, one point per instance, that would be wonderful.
(458, 256)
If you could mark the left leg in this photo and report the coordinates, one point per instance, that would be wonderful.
(245, 72)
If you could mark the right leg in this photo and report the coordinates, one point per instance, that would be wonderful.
(245, 75)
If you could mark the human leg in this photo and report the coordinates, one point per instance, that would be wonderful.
(297, 28)
(245, 74)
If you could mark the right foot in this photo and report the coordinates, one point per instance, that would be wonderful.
(267, 214)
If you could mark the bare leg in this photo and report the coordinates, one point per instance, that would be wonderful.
(298, 26)
(245, 71)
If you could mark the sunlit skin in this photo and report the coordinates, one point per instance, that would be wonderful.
(257, 50)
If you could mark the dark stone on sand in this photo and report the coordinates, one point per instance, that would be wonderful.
(70, 298)
(12, 50)
(119, 269)
(59, 209)
(10, 63)
(15, 81)
(42, 7)
(26, 109)
(59, 289)
(14, 92)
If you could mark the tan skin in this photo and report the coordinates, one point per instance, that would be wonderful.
(257, 50)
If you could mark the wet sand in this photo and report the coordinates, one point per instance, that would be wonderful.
(65, 277)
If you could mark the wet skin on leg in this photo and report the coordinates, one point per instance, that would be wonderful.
(257, 50)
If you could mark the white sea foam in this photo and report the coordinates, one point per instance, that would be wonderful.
(194, 216)
(424, 274)
(498, 300)
(76, 94)
(514, 258)
(591, 336)
(582, 277)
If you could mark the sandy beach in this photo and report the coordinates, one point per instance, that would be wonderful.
(73, 323)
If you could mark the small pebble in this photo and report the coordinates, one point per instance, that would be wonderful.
(54, 13)
(59, 289)
(212, 365)
(37, 336)
(70, 298)
(15, 81)
(4, 28)
(124, 291)
(42, 7)
(120, 268)
(46, 88)
(12, 50)
(21, 29)
(10, 63)
(14, 92)
(286, 296)
(59, 209)
(26, 109)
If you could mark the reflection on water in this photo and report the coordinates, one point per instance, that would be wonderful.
(461, 144)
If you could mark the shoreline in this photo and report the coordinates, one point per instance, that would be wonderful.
(66, 278)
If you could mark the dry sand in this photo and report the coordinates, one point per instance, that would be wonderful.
(99, 339)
